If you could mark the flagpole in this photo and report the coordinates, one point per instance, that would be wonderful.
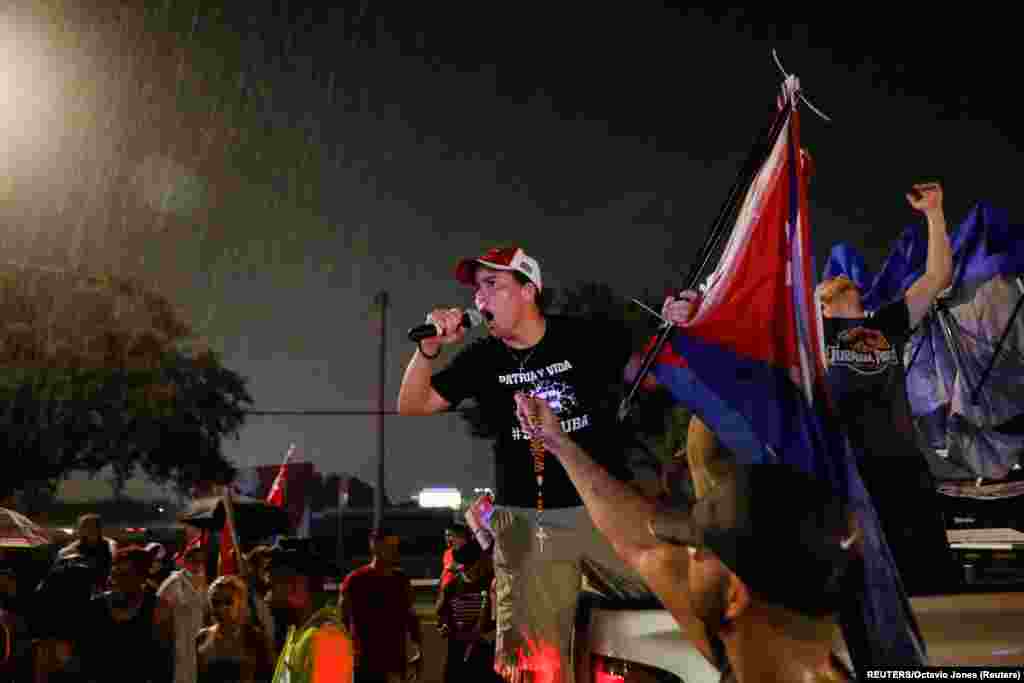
(280, 483)
(229, 520)
(340, 549)
(279, 480)
(378, 492)
(976, 392)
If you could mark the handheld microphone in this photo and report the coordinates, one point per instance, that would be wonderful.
(471, 318)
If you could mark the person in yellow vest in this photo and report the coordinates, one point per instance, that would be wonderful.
(318, 647)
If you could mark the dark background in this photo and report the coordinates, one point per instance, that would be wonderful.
(273, 165)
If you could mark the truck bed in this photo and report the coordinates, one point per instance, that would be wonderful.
(969, 629)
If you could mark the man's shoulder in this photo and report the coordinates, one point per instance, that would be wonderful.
(171, 583)
(892, 317)
(328, 616)
(478, 352)
(69, 549)
(369, 572)
(101, 599)
(574, 328)
(358, 573)
(481, 347)
(174, 582)
(569, 324)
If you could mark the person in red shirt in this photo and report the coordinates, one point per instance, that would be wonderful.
(376, 604)
(446, 559)
(455, 537)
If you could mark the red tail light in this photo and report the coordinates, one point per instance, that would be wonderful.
(608, 670)
(611, 670)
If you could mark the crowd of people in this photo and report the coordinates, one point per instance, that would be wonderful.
(110, 612)
(511, 578)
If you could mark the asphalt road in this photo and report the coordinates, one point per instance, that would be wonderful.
(973, 630)
(434, 650)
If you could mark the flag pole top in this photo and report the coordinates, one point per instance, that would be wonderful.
(791, 87)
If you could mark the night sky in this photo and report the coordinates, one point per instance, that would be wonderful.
(271, 167)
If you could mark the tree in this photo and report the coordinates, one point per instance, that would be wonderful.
(97, 372)
(653, 416)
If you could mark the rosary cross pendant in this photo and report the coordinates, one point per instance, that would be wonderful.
(542, 535)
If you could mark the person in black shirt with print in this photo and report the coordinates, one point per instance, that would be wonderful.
(863, 352)
(866, 376)
(575, 366)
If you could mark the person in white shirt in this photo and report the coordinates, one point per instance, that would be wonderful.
(183, 595)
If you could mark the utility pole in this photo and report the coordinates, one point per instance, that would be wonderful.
(378, 492)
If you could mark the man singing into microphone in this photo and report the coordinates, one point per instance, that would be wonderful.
(577, 367)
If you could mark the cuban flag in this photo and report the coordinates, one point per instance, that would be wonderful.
(751, 365)
(277, 490)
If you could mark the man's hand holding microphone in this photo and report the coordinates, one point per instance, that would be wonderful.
(444, 326)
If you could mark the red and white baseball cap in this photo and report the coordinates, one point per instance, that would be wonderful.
(499, 258)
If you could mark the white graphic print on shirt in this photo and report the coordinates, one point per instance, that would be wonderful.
(560, 395)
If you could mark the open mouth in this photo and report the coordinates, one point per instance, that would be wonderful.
(488, 316)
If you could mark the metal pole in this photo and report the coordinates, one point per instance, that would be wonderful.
(229, 521)
(378, 492)
(999, 345)
(340, 523)
(319, 413)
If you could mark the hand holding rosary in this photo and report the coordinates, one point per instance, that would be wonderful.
(538, 452)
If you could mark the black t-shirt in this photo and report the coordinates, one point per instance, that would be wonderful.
(865, 374)
(135, 642)
(98, 555)
(67, 589)
(577, 367)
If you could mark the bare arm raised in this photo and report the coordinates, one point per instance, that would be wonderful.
(938, 273)
(623, 516)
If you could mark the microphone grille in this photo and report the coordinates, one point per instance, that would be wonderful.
(474, 317)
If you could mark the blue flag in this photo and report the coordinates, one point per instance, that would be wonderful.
(962, 401)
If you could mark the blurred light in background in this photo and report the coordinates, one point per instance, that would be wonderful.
(440, 498)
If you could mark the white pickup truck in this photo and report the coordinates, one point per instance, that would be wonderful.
(645, 646)
(623, 642)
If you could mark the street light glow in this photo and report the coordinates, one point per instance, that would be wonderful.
(440, 498)
(31, 101)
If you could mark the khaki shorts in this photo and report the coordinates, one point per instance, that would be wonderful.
(710, 464)
(537, 587)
